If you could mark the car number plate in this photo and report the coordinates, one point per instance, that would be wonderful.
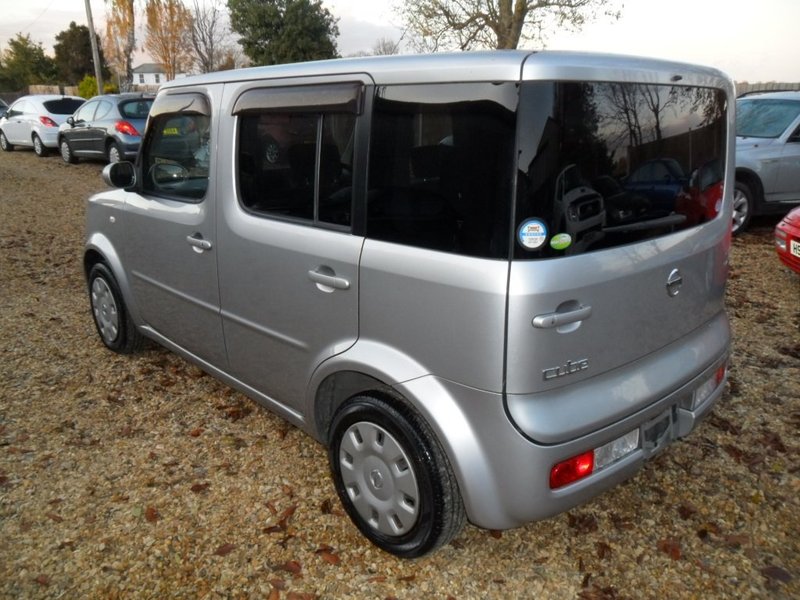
(794, 248)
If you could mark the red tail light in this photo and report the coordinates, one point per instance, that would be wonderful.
(572, 469)
(126, 128)
(47, 122)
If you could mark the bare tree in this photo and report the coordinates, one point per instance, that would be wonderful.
(209, 36)
(168, 26)
(501, 24)
(120, 39)
(385, 47)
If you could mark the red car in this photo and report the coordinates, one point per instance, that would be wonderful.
(787, 240)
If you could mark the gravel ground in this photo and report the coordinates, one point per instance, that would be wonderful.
(144, 477)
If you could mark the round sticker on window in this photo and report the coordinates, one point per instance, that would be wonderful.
(561, 241)
(532, 234)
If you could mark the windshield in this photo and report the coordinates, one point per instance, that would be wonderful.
(764, 118)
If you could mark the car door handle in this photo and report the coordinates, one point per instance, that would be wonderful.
(329, 280)
(557, 319)
(197, 242)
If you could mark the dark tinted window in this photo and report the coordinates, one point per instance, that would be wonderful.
(297, 165)
(135, 109)
(63, 106)
(605, 164)
(441, 167)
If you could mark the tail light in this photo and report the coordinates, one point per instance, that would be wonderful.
(126, 128)
(47, 122)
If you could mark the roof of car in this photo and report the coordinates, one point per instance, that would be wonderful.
(497, 65)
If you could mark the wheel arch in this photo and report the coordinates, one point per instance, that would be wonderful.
(751, 179)
(99, 249)
(446, 414)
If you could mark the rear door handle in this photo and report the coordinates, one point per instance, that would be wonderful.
(329, 280)
(198, 243)
(557, 319)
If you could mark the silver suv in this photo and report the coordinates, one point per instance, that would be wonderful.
(767, 155)
(439, 267)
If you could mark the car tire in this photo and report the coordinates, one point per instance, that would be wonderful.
(393, 477)
(110, 315)
(66, 151)
(5, 145)
(114, 154)
(38, 146)
(742, 207)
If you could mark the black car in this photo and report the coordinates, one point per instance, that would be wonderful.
(107, 127)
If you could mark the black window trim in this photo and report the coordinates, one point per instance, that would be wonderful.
(347, 97)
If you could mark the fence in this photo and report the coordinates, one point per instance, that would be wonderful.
(744, 87)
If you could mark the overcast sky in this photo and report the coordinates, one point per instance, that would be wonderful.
(751, 41)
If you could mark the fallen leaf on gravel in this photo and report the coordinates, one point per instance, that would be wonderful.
(200, 487)
(151, 514)
(599, 593)
(686, 510)
(42, 580)
(278, 584)
(274, 594)
(603, 550)
(329, 557)
(326, 507)
(292, 566)
(301, 596)
(582, 523)
(225, 549)
(196, 432)
(737, 541)
(496, 534)
(671, 547)
(776, 573)
(55, 517)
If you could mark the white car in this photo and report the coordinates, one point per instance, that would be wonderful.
(34, 120)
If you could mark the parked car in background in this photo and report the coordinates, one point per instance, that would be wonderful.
(767, 155)
(787, 239)
(661, 181)
(34, 120)
(107, 127)
(3, 108)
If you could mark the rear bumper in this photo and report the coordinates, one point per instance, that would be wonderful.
(504, 476)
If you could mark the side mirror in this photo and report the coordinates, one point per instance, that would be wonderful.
(120, 174)
(71, 121)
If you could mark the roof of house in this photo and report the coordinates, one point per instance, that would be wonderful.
(149, 68)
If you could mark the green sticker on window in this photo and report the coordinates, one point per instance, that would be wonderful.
(561, 241)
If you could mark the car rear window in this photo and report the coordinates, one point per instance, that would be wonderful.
(607, 164)
(63, 106)
(135, 109)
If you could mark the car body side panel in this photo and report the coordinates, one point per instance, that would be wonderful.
(446, 311)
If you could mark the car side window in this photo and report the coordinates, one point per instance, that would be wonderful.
(440, 167)
(103, 108)
(175, 160)
(85, 112)
(297, 165)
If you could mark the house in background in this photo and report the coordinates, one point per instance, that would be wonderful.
(147, 77)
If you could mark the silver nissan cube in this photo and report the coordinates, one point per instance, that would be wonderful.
(490, 283)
